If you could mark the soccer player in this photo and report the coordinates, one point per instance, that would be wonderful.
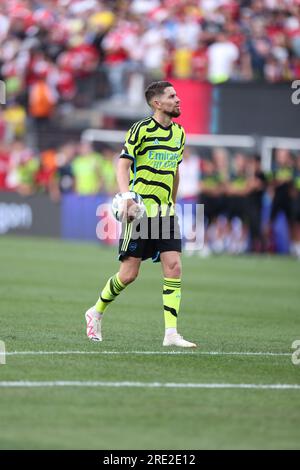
(282, 185)
(257, 185)
(295, 243)
(148, 165)
(237, 192)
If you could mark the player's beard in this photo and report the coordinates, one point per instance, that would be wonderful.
(173, 114)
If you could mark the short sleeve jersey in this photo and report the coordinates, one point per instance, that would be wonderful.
(156, 152)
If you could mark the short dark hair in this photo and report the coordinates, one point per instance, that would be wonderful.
(156, 88)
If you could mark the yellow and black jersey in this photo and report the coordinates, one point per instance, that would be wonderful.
(297, 180)
(211, 181)
(155, 152)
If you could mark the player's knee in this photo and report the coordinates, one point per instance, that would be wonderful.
(129, 276)
(174, 269)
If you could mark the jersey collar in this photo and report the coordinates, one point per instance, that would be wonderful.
(162, 127)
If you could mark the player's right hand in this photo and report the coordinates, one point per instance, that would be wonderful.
(130, 211)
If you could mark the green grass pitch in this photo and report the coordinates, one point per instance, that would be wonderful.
(245, 304)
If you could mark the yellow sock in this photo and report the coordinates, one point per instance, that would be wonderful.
(112, 289)
(171, 300)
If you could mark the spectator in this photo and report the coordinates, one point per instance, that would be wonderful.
(182, 61)
(15, 117)
(259, 47)
(64, 158)
(4, 165)
(87, 171)
(199, 62)
(154, 44)
(22, 169)
(41, 107)
(222, 57)
(108, 169)
(244, 41)
(116, 60)
(46, 175)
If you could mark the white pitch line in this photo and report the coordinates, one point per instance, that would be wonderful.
(29, 384)
(146, 353)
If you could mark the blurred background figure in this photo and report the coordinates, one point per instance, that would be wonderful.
(222, 57)
(87, 168)
(108, 169)
(4, 165)
(237, 192)
(295, 245)
(257, 185)
(22, 169)
(190, 172)
(211, 192)
(65, 177)
(281, 183)
(45, 178)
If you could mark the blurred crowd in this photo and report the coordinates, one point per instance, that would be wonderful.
(47, 47)
(73, 167)
(241, 201)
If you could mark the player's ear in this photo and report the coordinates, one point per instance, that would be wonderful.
(156, 103)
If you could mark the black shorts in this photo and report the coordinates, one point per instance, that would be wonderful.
(296, 208)
(282, 204)
(237, 207)
(254, 218)
(213, 206)
(149, 237)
